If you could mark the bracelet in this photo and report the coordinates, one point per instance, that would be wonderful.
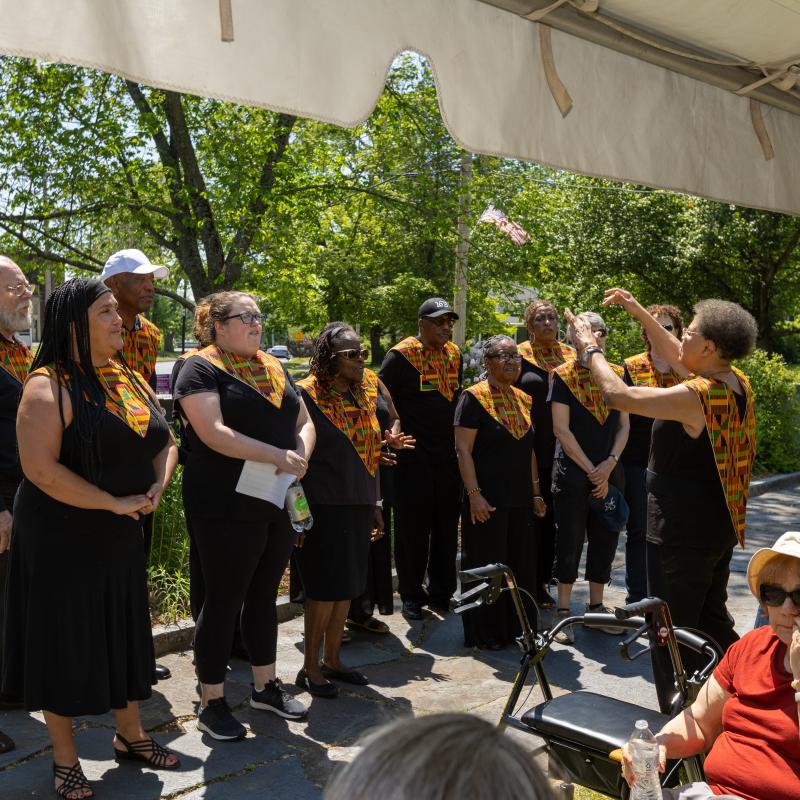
(379, 503)
(471, 492)
(538, 497)
(536, 481)
(586, 357)
(616, 458)
(797, 697)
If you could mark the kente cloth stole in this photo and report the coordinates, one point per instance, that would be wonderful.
(15, 358)
(510, 406)
(644, 373)
(262, 372)
(580, 382)
(546, 356)
(359, 423)
(140, 347)
(733, 440)
(121, 396)
(438, 369)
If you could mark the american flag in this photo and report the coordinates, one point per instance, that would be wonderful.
(513, 230)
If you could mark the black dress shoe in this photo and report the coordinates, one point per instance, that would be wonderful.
(162, 672)
(345, 675)
(327, 689)
(440, 604)
(6, 743)
(412, 609)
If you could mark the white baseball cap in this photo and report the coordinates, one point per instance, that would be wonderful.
(131, 260)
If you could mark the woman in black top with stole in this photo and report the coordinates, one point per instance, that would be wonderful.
(496, 458)
(240, 406)
(96, 455)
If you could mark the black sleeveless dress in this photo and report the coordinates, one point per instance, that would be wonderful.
(77, 637)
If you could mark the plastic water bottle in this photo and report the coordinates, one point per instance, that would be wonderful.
(644, 752)
(297, 506)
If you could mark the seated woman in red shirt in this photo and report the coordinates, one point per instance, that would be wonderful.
(746, 715)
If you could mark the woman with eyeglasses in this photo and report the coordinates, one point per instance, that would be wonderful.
(497, 461)
(541, 354)
(746, 715)
(701, 458)
(343, 490)
(590, 439)
(240, 406)
(650, 368)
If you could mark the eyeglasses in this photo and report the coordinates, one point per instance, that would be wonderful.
(600, 333)
(516, 357)
(353, 353)
(668, 326)
(776, 595)
(247, 317)
(440, 322)
(20, 288)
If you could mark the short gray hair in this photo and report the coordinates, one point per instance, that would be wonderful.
(595, 320)
(439, 757)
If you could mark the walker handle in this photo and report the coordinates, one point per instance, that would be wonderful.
(639, 608)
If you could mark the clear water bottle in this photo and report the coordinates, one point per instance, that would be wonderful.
(297, 506)
(644, 753)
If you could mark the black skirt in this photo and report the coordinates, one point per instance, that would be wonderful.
(332, 563)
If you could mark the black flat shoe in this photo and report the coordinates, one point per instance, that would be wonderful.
(6, 743)
(327, 689)
(412, 609)
(162, 672)
(345, 676)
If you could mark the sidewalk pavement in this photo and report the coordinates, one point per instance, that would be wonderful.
(418, 668)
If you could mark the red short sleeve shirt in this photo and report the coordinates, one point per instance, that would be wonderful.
(757, 755)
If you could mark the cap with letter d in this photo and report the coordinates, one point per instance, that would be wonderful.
(436, 307)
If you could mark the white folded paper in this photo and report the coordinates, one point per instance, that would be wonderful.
(264, 482)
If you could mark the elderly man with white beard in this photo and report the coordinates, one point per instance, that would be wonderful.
(15, 361)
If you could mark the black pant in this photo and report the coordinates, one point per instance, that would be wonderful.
(7, 493)
(379, 576)
(694, 582)
(545, 531)
(636, 532)
(575, 522)
(242, 564)
(427, 502)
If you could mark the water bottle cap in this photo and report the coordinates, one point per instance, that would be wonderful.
(641, 724)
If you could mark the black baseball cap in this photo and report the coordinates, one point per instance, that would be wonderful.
(436, 307)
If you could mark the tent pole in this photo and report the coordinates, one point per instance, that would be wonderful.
(462, 250)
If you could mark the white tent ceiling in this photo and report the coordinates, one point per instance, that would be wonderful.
(640, 90)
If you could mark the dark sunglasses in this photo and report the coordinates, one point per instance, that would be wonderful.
(246, 317)
(353, 353)
(776, 595)
(668, 327)
(440, 322)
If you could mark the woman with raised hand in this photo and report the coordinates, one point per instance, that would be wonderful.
(96, 453)
(591, 437)
(496, 458)
(342, 487)
(701, 458)
(541, 354)
(241, 407)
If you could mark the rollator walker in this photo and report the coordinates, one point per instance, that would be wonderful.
(584, 731)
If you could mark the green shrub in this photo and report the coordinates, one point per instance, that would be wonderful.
(777, 412)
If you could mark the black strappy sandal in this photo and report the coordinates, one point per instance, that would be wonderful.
(72, 780)
(135, 751)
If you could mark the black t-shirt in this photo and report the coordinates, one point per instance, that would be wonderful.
(596, 440)
(428, 416)
(502, 463)
(210, 478)
(336, 474)
(10, 471)
(535, 382)
(637, 450)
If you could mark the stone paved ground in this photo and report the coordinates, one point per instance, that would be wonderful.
(419, 668)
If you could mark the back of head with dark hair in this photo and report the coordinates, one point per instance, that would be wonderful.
(439, 757)
(732, 329)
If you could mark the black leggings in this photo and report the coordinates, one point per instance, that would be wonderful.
(242, 564)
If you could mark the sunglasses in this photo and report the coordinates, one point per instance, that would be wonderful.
(440, 322)
(776, 595)
(668, 327)
(353, 353)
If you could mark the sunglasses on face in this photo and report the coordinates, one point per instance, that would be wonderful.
(668, 326)
(776, 595)
(246, 317)
(504, 357)
(353, 353)
(440, 322)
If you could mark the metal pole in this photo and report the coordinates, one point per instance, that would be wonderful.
(462, 250)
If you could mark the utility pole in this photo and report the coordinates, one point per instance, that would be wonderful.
(462, 250)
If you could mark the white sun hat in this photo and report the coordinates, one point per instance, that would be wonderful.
(786, 545)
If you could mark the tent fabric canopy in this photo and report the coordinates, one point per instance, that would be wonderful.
(499, 75)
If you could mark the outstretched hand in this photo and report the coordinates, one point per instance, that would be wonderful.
(622, 297)
(580, 330)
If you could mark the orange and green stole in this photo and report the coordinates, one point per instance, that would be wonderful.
(509, 406)
(580, 382)
(140, 347)
(359, 422)
(15, 358)
(643, 373)
(122, 399)
(438, 369)
(546, 356)
(733, 440)
(262, 372)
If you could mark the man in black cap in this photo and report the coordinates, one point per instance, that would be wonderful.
(423, 375)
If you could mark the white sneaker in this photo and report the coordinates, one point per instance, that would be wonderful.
(566, 635)
(602, 609)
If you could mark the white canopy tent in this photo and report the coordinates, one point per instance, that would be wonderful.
(639, 90)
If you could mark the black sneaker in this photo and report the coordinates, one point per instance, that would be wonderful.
(273, 697)
(217, 721)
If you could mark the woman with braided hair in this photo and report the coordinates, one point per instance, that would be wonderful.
(343, 488)
(77, 637)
